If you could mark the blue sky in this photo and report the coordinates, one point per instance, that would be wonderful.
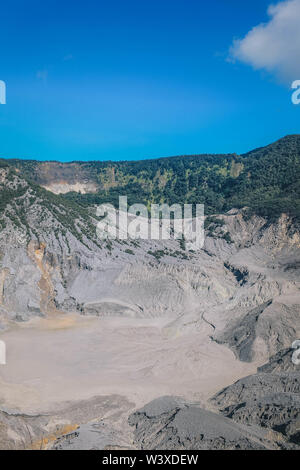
(135, 79)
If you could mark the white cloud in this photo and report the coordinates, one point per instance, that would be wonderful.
(274, 46)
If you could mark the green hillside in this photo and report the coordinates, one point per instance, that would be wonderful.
(267, 180)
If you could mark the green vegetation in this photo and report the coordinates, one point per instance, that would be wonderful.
(214, 222)
(214, 225)
(129, 251)
(266, 180)
(18, 196)
(158, 254)
(227, 237)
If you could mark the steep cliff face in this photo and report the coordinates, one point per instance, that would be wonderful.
(59, 177)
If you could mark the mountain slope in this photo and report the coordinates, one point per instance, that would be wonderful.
(267, 180)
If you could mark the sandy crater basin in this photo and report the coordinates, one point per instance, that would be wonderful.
(68, 357)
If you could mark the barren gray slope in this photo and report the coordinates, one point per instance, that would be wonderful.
(280, 362)
(106, 415)
(166, 423)
(270, 399)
